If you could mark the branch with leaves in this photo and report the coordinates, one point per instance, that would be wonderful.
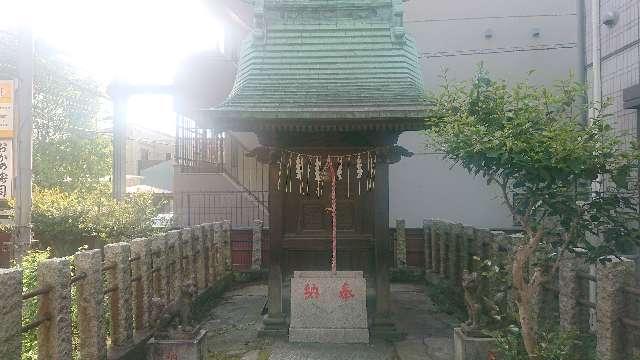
(531, 143)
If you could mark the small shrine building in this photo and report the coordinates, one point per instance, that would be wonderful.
(327, 81)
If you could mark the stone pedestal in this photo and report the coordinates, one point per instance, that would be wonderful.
(328, 307)
(179, 349)
(472, 348)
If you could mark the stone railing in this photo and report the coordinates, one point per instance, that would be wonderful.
(140, 279)
(614, 304)
(449, 248)
(606, 292)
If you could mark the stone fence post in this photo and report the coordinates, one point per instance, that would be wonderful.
(160, 267)
(211, 253)
(116, 257)
(401, 244)
(174, 268)
(612, 278)
(482, 245)
(188, 256)
(226, 231)
(219, 245)
(142, 282)
(426, 235)
(256, 249)
(206, 254)
(11, 313)
(198, 257)
(54, 335)
(90, 296)
(445, 237)
(455, 252)
(468, 243)
(573, 316)
(436, 234)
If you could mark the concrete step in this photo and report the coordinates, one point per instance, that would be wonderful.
(427, 348)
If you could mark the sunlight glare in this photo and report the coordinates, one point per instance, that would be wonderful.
(141, 41)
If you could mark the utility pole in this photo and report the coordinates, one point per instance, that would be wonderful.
(581, 64)
(23, 146)
(119, 141)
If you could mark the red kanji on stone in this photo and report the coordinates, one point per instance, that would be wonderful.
(345, 292)
(311, 291)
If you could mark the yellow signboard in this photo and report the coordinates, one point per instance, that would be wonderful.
(7, 101)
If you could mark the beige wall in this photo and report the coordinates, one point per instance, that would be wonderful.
(424, 186)
(157, 144)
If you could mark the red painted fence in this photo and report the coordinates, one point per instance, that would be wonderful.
(242, 245)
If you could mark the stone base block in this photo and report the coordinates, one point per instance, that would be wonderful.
(192, 349)
(334, 336)
(273, 327)
(384, 328)
(329, 307)
(471, 348)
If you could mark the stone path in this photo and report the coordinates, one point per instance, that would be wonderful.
(429, 333)
(233, 328)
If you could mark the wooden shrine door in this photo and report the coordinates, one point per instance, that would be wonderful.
(307, 228)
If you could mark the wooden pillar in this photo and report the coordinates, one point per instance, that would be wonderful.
(383, 326)
(274, 323)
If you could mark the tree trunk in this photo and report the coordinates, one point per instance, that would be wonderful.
(528, 325)
(525, 300)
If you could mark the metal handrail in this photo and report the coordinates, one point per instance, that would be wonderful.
(35, 324)
(632, 290)
(111, 289)
(586, 303)
(33, 293)
(586, 276)
(77, 278)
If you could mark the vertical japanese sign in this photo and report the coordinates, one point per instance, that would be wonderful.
(7, 101)
(6, 169)
(6, 108)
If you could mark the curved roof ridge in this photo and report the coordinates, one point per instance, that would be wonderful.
(310, 63)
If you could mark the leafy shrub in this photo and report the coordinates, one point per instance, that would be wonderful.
(447, 299)
(553, 345)
(67, 220)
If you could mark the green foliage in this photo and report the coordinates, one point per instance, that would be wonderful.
(30, 307)
(495, 290)
(532, 143)
(553, 345)
(67, 152)
(447, 299)
(68, 220)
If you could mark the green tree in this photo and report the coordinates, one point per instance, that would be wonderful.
(66, 221)
(67, 152)
(530, 141)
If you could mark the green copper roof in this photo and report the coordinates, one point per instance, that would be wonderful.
(321, 63)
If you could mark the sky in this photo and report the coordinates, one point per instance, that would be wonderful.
(135, 41)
